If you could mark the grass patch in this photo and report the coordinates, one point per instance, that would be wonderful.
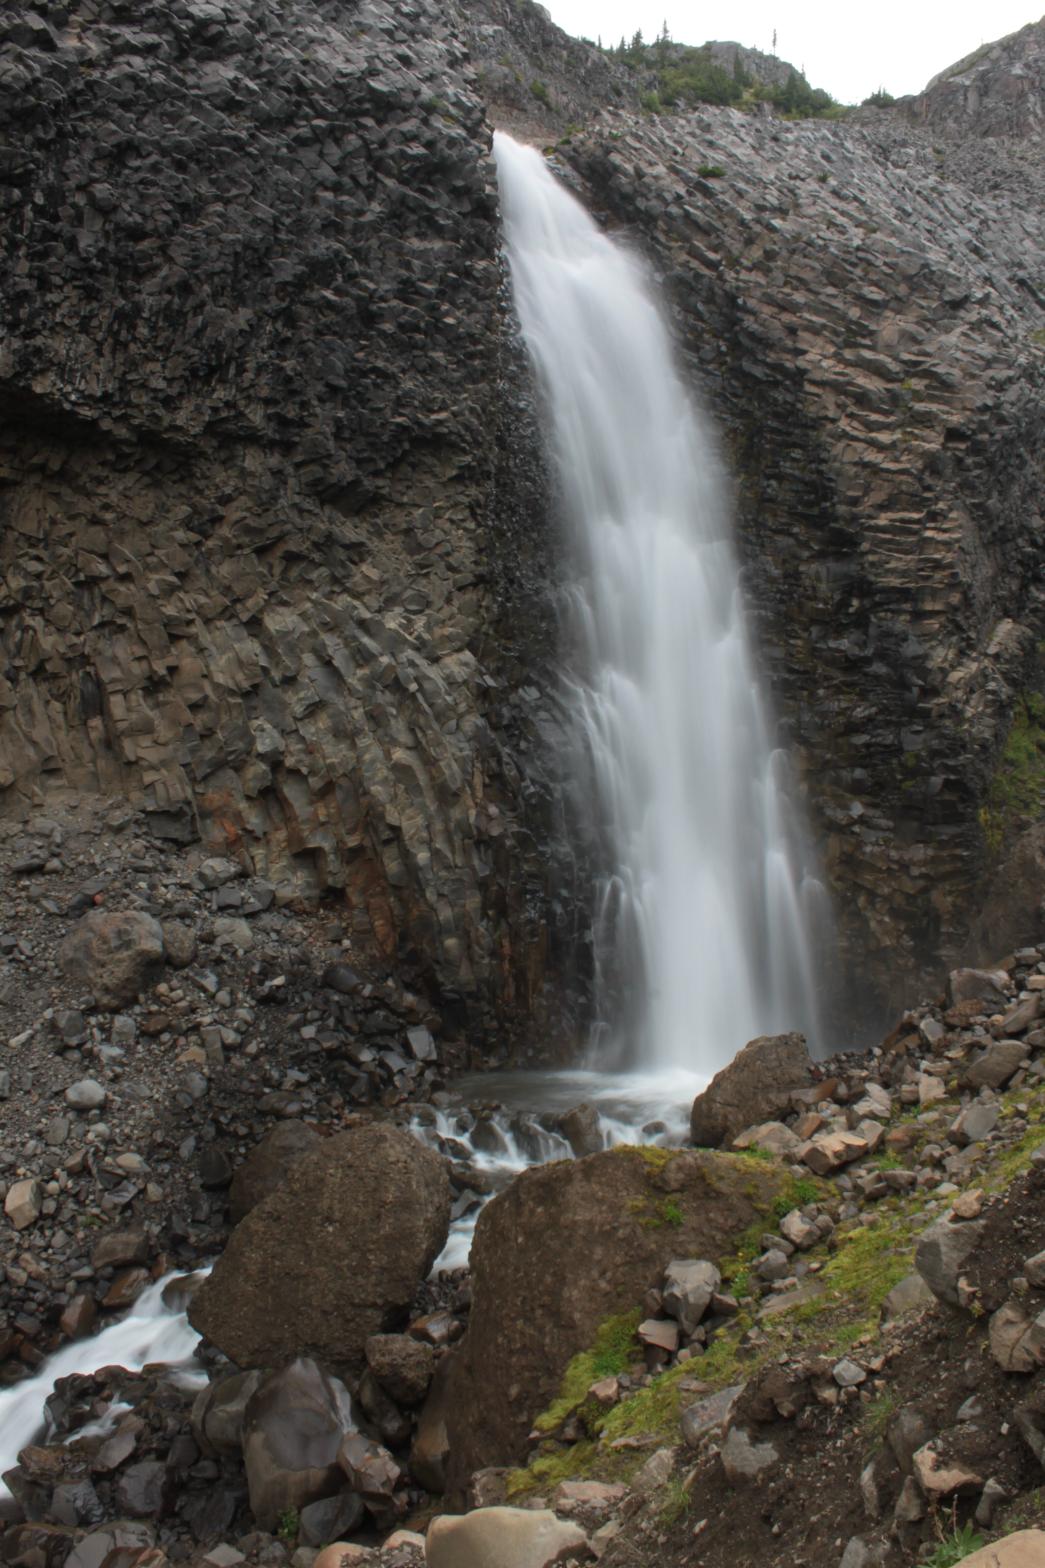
(614, 1348)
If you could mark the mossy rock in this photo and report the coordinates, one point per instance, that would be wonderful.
(569, 1246)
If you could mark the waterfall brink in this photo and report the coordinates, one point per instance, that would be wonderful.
(702, 921)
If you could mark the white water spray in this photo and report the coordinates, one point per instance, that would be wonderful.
(155, 1330)
(702, 920)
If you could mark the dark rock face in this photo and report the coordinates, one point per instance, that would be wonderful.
(255, 329)
(332, 1257)
(566, 1246)
(274, 544)
(851, 300)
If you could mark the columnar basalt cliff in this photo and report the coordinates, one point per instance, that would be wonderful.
(869, 331)
(262, 525)
(277, 545)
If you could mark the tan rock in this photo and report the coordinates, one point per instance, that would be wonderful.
(968, 1205)
(503, 1538)
(23, 1203)
(941, 1477)
(832, 1150)
(1024, 1549)
(343, 1554)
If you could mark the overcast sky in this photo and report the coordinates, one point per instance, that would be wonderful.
(849, 49)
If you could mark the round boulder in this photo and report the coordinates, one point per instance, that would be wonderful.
(114, 956)
(755, 1087)
(331, 1257)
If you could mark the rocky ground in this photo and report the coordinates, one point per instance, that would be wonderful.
(133, 1118)
(820, 1344)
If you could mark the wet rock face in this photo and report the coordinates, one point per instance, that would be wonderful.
(850, 300)
(255, 330)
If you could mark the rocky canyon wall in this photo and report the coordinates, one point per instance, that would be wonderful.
(276, 557)
(867, 326)
(266, 539)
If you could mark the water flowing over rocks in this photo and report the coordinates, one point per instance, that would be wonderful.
(333, 1256)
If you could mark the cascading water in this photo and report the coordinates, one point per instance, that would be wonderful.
(702, 921)
(704, 915)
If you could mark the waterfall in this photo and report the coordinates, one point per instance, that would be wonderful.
(702, 920)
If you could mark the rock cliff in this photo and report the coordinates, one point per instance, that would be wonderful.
(866, 320)
(262, 523)
(276, 535)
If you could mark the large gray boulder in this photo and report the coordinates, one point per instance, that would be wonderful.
(331, 1257)
(941, 1254)
(293, 1427)
(754, 1088)
(566, 1246)
(115, 956)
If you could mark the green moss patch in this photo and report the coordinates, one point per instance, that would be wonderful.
(614, 1348)
(1018, 785)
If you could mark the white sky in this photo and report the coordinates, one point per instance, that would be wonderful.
(850, 49)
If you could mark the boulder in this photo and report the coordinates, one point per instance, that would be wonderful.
(755, 1087)
(1017, 1340)
(689, 1285)
(23, 1203)
(266, 1166)
(911, 1294)
(114, 956)
(582, 1130)
(941, 1253)
(939, 1476)
(219, 1410)
(333, 1256)
(993, 1068)
(744, 1459)
(708, 1416)
(1023, 1549)
(566, 1246)
(967, 985)
(430, 1454)
(402, 1365)
(293, 1427)
(503, 1538)
(774, 1137)
(370, 1470)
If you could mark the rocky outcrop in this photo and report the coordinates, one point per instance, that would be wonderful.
(855, 306)
(566, 1246)
(275, 557)
(332, 1257)
(998, 90)
(255, 354)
